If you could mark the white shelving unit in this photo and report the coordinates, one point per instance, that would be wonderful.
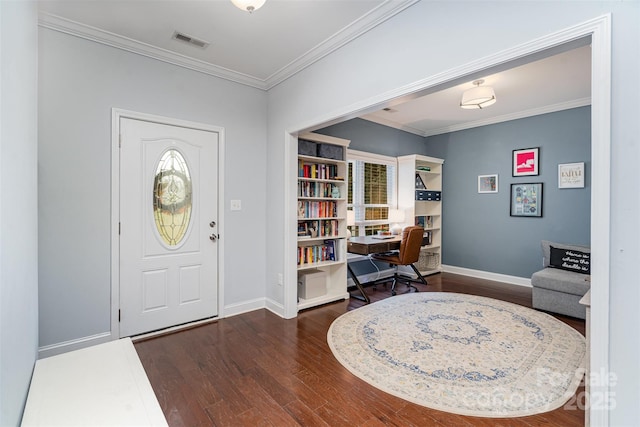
(322, 215)
(426, 212)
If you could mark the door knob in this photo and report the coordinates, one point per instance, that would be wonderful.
(212, 224)
(213, 237)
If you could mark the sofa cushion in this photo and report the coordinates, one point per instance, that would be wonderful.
(546, 250)
(561, 281)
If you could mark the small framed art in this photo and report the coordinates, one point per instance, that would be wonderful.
(525, 162)
(488, 183)
(571, 175)
(526, 199)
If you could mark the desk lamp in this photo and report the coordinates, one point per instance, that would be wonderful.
(396, 217)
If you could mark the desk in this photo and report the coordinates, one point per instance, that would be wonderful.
(366, 245)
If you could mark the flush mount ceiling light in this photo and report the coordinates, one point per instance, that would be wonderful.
(478, 97)
(248, 5)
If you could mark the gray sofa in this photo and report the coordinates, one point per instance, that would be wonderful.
(556, 289)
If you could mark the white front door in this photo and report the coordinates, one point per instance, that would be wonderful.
(168, 230)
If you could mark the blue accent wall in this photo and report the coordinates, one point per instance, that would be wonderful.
(374, 138)
(478, 231)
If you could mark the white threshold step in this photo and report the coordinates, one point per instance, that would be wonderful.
(103, 385)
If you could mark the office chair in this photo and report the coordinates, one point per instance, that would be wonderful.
(408, 254)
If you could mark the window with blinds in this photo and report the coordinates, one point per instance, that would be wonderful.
(372, 191)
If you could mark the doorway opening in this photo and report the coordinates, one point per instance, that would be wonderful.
(598, 32)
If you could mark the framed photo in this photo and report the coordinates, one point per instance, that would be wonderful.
(571, 175)
(488, 183)
(525, 162)
(526, 199)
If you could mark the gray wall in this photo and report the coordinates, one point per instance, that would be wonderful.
(80, 82)
(408, 50)
(509, 245)
(478, 232)
(18, 206)
(375, 138)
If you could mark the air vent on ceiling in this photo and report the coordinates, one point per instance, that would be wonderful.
(191, 40)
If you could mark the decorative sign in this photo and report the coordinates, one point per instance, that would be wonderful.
(571, 175)
(570, 260)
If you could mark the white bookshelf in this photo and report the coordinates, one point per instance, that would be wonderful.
(429, 169)
(322, 216)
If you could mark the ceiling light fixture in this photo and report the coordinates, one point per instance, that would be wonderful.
(478, 97)
(248, 5)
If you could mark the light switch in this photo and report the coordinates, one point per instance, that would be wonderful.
(236, 205)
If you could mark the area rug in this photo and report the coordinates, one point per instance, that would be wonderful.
(462, 354)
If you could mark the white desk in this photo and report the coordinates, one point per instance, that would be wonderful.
(103, 385)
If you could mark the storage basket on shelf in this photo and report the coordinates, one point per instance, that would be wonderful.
(428, 260)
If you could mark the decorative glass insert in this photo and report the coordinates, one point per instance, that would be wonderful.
(172, 197)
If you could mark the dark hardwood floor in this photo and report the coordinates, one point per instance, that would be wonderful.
(259, 369)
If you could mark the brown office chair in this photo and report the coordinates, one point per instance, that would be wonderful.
(408, 254)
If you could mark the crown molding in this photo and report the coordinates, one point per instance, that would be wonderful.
(392, 124)
(67, 26)
(360, 26)
(375, 17)
(512, 116)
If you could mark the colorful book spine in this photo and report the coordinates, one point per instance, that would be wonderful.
(317, 253)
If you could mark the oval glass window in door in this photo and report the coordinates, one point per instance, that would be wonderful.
(172, 197)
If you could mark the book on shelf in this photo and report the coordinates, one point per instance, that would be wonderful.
(317, 170)
(316, 189)
(331, 249)
(427, 238)
(313, 254)
(424, 221)
(318, 228)
(320, 209)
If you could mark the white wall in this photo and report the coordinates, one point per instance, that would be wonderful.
(80, 81)
(18, 206)
(425, 41)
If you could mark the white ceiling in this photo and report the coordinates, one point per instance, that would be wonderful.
(266, 47)
(259, 49)
(554, 83)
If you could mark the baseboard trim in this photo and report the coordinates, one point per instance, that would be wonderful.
(275, 307)
(244, 307)
(71, 345)
(487, 275)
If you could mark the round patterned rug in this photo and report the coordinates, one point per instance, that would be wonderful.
(462, 354)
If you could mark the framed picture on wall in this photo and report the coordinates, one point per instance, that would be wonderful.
(526, 199)
(525, 162)
(488, 183)
(571, 175)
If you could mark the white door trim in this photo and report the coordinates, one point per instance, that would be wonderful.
(116, 115)
(599, 29)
